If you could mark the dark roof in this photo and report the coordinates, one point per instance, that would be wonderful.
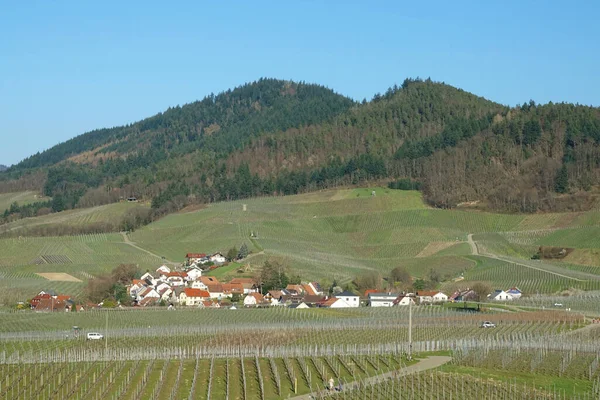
(346, 294)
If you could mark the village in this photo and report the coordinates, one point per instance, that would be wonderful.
(189, 286)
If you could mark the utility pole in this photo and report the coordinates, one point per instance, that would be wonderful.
(410, 329)
(106, 334)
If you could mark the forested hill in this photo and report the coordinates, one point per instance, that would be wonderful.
(280, 137)
(3, 167)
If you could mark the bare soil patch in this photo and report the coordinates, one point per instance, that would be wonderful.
(433, 248)
(58, 276)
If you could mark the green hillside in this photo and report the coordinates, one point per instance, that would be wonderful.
(325, 235)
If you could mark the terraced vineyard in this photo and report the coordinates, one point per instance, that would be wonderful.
(339, 234)
(110, 214)
(80, 256)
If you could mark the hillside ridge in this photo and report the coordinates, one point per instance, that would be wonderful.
(274, 137)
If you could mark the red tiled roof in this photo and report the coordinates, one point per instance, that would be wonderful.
(209, 280)
(259, 297)
(309, 290)
(369, 291)
(189, 292)
(195, 255)
(215, 288)
(233, 288)
(430, 293)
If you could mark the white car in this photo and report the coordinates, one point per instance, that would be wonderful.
(94, 336)
(558, 305)
(488, 324)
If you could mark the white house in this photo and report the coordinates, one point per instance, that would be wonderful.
(336, 302)
(193, 273)
(429, 297)
(253, 299)
(218, 258)
(193, 297)
(404, 300)
(515, 292)
(500, 295)
(148, 293)
(350, 298)
(198, 285)
(440, 297)
(163, 269)
(382, 299)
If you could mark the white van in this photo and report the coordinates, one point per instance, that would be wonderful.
(94, 336)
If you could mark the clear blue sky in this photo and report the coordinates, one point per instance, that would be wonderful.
(67, 67)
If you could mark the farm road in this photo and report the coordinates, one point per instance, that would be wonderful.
(132, 244)
(423, 365)
(547, 268)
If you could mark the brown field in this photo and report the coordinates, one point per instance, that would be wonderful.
(58, 276)
(434, 247)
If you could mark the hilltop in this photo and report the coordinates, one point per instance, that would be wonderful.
(280, 137)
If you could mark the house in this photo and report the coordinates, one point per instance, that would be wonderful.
(176, 278)
(350, 298)
(209, 304)
(215, 290)
(193, 297)
(148, 301)
(253, 299)
(248, 283)
(193, 273)
(382, 299)
(218, 258)
(336, 302)
(51, 304)
(148, 292)
(515, 292)
(37, 299)
(165, 293)
(192, 258)
(295, 289)
(404, 300)
(229, 289)
(430, 297)
(163, 269)
(299, 306)
(500, 295)
(313, 300)
(312, 289)
(463, 295)
(440, 297)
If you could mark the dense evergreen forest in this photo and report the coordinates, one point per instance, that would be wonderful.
(280, 137)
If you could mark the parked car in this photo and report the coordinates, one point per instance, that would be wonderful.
(94, 336)
(558, 305)
(488, 324)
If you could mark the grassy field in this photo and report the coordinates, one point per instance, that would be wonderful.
(22, 198)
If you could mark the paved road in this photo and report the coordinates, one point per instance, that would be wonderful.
(475, 252)
(423, 365)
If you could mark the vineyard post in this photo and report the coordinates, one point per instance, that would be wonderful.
(295, 385)
(410, 329)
